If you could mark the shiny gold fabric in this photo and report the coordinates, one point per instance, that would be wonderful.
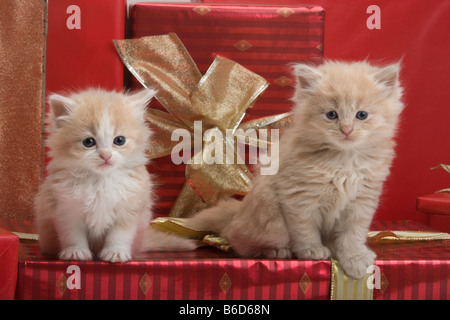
(219, 99)
(22, 51)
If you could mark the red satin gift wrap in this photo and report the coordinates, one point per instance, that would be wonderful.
(264, 39)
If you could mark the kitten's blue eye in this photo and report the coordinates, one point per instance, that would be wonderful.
(361, 115)
(119, 140)
(89, 142)
(332, 115)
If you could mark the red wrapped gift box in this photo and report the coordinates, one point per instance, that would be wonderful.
(264, 39)
(437, 207)
(201, 275)
(204, 274)
(435, 203)
(412, 269)
(9, 246)
(408, 270)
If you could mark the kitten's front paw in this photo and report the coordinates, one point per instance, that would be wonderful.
(313, 253)
(75, 253)
(115, 254)
(356, 265)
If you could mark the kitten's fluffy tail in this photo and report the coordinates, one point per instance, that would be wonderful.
(216, 218)
(156, 240)
(213, 219)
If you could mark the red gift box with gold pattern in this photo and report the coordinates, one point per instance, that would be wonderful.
(263, 39)
(407, 267)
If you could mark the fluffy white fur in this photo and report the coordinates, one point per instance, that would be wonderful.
(97, 199)
(332, 169)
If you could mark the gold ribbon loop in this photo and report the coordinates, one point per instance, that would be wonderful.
(163, 63)
(163, 124)
(225, 92)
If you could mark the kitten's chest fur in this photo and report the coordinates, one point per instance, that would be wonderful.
(98, 199)
(341, 186)
(344, 183)
(327, 183)
(353, 177)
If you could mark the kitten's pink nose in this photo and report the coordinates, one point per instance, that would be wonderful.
(105, 155)
(346, 130)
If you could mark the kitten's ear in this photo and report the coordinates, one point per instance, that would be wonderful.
(307, 76)
(388, 77)
(142, 98)
(60, 106)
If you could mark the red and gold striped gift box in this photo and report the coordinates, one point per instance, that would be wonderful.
(408, 268)
(263, 38)
(204, 274)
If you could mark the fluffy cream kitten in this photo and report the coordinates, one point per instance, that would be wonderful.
(97, 196)
(333, 162)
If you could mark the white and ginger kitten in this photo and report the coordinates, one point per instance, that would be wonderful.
(97, 196)
(333, 162)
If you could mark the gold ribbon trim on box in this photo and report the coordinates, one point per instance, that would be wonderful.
(344, 287)
(405, 236)
(26, 236)
(219, 99)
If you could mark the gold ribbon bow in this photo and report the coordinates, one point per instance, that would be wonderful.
(219, 99)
